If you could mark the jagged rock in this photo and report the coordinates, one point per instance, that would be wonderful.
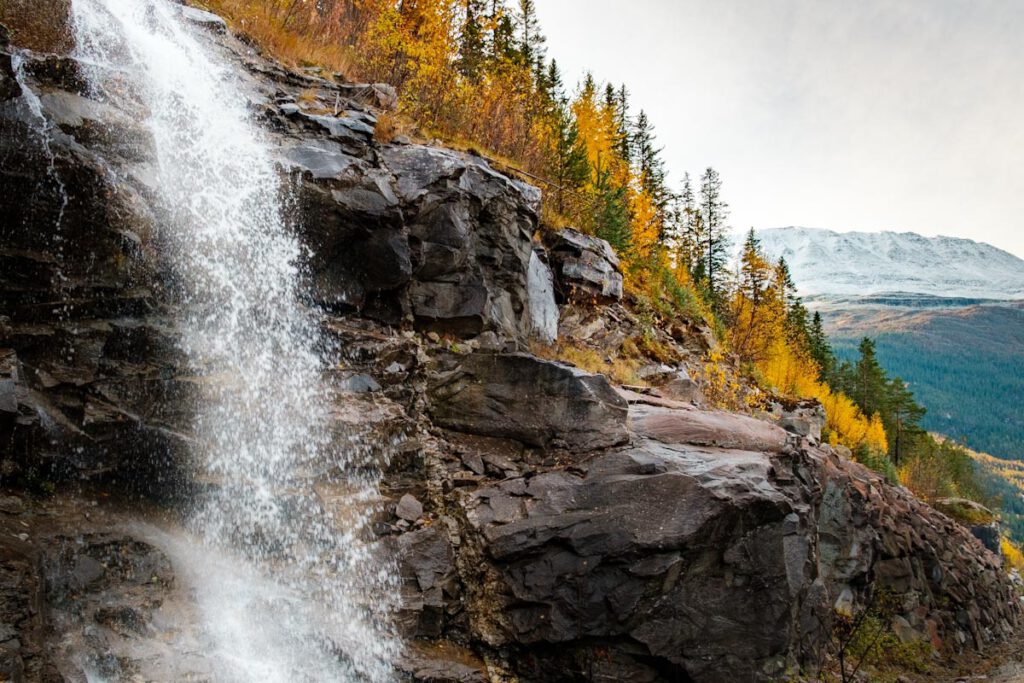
(806, 419)
(586, 268)
(538, 402)
(206, 20)
(714, 563)
(443, 662)
(582, 557)
(682, 387)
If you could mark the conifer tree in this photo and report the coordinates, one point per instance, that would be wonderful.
(531, 39)
(714, 212)
(869, 379)
(612, 215)
(503, 34)
(471, 47)
(648, 163)
(691, 248)
(623, 108)
(820, 349)
(569, 163)
(902, 418)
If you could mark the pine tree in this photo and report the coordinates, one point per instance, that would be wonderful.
(714, 212)
(623, 122)
(471, 46)
(554, 81)
(754, 275)
(902, 418)
(796, 314)
(531, 40)
(503, 32)
(569, 162)
(691, 239)
(648, 163)
(612, 214)
(869, 379)
(821, 350)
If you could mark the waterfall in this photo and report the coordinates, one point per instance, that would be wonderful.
(286, 594)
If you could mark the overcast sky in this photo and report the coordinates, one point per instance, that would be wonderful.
(841, 114)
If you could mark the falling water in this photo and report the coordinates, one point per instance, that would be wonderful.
(43, 130)
(284, 592)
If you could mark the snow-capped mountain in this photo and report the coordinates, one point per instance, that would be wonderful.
(828, 263)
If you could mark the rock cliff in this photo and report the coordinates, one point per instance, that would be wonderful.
(548, 526)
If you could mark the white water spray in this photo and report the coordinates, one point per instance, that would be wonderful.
(296, 607)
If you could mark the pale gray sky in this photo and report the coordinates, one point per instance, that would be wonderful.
(841, 114)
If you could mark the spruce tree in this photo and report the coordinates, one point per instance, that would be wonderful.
(471, 46)
(753, 278)
(714, 212)
(869, 380)
(902, 418)
(692, 231)
(503, 34)
(612, 210)
(821, 350)
(570, 166)
(531, 40)
(648, 163)
(623, 122)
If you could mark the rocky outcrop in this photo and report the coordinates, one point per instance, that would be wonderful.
(673, 560)
(566, 407)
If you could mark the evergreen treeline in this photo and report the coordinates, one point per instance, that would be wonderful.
(971, 379)
(932, 468)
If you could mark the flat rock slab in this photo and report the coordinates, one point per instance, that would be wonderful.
(706, 428)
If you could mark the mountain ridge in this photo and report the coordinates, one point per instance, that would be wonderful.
(828, 263)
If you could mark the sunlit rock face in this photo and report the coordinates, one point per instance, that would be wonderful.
(310, 349)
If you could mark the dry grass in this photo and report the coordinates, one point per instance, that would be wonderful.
(619, 370)
(390, 125)
(291, 42)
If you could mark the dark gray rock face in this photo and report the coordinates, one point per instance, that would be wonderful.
(538, 402)
(88, 383)
(682, 551)
(414, 233)
(586, 268)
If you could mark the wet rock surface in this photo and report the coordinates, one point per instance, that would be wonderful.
(544, 524)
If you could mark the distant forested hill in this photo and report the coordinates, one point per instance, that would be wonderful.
(965, 365)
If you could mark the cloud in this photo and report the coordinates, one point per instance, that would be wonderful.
(850, 115)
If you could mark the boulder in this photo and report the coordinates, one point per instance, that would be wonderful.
(659, 545)
(518, 396)
(586, 267)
